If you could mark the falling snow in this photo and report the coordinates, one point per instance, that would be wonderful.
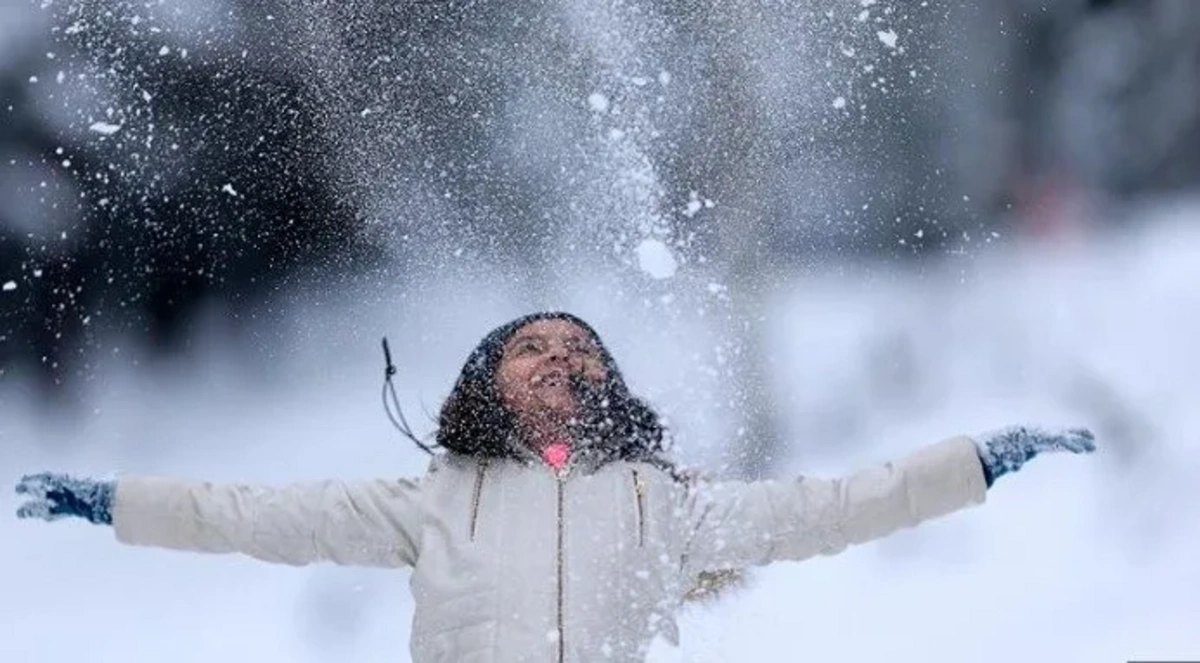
(449, 139)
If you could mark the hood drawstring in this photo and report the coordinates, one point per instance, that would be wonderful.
(389, 388)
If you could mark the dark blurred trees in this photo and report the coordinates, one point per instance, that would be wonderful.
(167, 179)
(1099, 98)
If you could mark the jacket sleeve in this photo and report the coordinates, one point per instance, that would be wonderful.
(369, 523)
(736, 524)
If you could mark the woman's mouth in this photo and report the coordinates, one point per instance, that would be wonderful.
(552, 378)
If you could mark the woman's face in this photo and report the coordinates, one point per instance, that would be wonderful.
(535, 369)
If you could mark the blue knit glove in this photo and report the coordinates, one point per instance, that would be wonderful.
(1007, 449)
(54, 496)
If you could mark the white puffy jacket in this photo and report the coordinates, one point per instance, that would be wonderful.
(512, 562)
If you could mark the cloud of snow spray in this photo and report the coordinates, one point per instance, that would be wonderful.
(626, 189)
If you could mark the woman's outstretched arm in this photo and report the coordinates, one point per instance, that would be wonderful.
(365, 523)
(736, 524)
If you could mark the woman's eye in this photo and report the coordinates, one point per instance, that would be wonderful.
(526, 347)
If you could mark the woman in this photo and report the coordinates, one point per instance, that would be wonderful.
(553, 528)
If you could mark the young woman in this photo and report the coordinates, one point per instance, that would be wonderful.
(553, 527)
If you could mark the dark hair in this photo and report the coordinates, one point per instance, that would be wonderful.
(618, 426)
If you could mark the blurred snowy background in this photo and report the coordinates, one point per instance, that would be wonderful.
(816, 234)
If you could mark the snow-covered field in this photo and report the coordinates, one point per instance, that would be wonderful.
(1072, 559)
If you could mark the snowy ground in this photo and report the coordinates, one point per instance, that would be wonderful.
(1071, 559)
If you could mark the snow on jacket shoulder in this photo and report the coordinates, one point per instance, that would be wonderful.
(512, 562)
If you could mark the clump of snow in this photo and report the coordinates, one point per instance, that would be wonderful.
(655, 259)
(9, 286)
(105, 128)
(839, 102)
(888, 37)
(695, 204)
(598, 102)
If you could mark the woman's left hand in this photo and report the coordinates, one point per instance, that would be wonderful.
(1007, 449)
(52, 496)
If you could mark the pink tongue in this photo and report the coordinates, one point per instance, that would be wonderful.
(556, 454)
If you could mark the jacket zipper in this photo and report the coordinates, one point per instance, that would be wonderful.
(562, 645)
(475, 497)
(639, 489)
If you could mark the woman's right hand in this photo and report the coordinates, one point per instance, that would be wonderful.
(50, 496)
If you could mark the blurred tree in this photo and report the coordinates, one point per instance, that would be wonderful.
(1084, 98)
(176, 180)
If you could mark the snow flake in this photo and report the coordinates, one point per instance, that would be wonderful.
(888, 37)
(104, 128)
(9, 286)
(598, 102)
